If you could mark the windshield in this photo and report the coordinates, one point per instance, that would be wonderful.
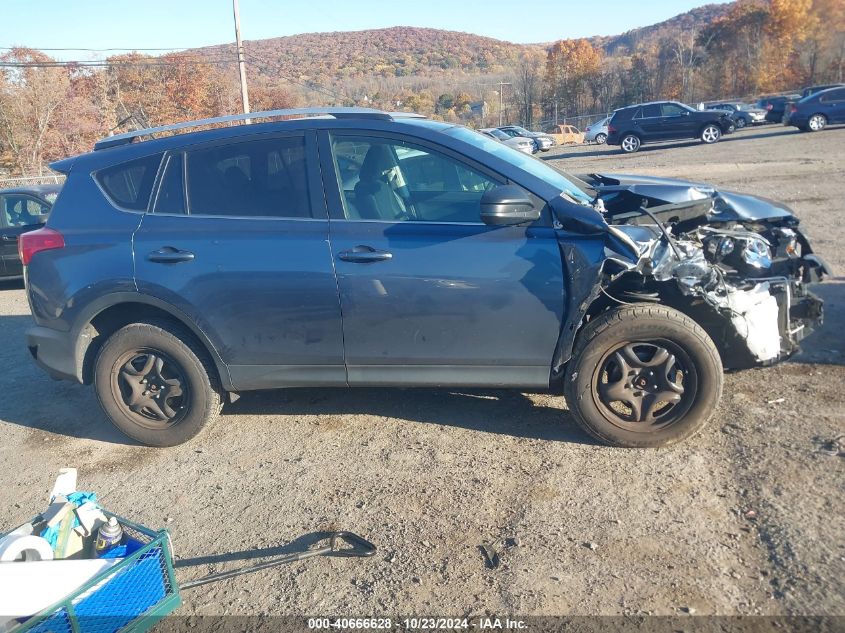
(533, 166)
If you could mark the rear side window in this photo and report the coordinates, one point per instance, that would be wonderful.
(129, 184)
(834, 95)
(624, 115)
(261, 178)
(649, 111)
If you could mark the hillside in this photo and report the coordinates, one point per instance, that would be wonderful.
(399, 51)
(691, 20)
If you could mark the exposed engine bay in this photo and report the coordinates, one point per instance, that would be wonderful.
(737, 264)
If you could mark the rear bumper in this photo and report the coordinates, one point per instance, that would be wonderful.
(53, 351)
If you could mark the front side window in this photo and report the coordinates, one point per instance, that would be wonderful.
(672, 109)
(260, 178)
(130, 184)
(394, 181)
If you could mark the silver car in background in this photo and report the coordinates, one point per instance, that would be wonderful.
(597, 132)
(520, 143)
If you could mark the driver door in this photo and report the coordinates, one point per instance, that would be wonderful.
(429, 294)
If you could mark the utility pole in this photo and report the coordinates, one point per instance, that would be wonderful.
(502, 85)
(241, 61)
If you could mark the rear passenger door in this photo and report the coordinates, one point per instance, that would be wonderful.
(236, 237)
(648, 119)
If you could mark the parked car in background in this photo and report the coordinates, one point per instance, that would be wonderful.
(634, 125)
(521, 143)
(566, 134)
(818, 110)
(776, 106)
(597, 132)
(179, 271)
(814, 89)
(22, 209)
(542, 142)
(742, 114)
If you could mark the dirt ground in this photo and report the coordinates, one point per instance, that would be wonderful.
(746, 518)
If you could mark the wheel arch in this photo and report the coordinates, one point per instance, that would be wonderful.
(111, 312)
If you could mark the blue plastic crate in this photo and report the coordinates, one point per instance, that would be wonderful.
(131, 596)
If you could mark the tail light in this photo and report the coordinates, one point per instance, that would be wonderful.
(610, 129)
(44, 239)
(769, 106)
(793, 108)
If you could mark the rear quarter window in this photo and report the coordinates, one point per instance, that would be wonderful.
(129, 185)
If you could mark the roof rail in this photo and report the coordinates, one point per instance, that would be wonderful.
(337, 113)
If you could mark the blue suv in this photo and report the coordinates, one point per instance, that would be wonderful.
(350, 247)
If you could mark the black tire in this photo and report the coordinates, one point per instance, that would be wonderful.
(601, 349)
(710, 133)
(740, 123)
(166, 359)
(630, 143)
(601, 138)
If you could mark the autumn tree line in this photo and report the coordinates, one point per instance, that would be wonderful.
(51, 109)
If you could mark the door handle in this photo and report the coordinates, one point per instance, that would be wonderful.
(364, 255)
(9, 238)
(170, 255)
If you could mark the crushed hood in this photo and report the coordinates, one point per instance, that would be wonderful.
(728, 205)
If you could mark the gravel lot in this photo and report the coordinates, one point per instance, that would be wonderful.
(746, 518)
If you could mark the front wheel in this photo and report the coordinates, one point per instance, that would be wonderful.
(630, 143)
(710, 134)
(643, 376)
(740, 123)
(156, 384)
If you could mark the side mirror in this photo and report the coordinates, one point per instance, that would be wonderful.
(507, 205)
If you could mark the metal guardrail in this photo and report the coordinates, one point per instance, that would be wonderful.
(23, 181)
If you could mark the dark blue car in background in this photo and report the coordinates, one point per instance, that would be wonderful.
(362, 248)
(818, 110)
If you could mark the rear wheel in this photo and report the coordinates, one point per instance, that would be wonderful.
(817, 122)
(643, 376)
(156, 384)
(601, 138)
(630, 143)
(710, 134)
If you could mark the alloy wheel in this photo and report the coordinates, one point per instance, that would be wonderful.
(817, 122)
(630, 143)
(740, 123)
(601, 138)
(711, 134)
(151, 388)
(643, 386)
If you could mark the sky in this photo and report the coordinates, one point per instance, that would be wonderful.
(178, 24)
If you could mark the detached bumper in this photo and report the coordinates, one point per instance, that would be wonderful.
(53, 351)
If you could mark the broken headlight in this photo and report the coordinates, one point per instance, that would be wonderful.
(747, 253)
(755, 256)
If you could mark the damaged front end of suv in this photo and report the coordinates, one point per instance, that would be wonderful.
(738, 265)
